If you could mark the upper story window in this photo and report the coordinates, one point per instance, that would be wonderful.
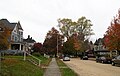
(21, 33)
(12, 37)
(16, 39)
(21, 39)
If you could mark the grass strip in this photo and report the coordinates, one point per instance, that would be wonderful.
(65, 70)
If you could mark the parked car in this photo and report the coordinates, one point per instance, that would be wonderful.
(104, 59)
(66, 58)
(116, 60)
(85, 57)
(72, 56)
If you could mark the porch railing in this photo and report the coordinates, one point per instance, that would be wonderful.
(39, 61)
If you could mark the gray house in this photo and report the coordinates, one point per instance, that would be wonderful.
(16, 36)
(99, 45)
(29, 43)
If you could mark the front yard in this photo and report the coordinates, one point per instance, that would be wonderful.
(16, 66)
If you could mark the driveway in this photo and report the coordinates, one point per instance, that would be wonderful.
(91, 68)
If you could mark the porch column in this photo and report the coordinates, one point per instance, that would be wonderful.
(9, 47)
(20, 47)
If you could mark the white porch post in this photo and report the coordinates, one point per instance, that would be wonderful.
(24, 55)
(9, 47)
(20, 47)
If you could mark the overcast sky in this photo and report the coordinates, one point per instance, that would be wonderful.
(37, 17)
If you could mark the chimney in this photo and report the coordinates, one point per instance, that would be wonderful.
(28, 36)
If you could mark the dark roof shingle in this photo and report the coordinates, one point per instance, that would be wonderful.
(10, 25)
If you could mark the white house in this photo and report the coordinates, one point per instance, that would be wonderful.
(16, 36)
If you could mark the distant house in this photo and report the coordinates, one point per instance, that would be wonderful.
(99, 45)
(29, 42)
(16, 36)
(90, 51)
(101, 49)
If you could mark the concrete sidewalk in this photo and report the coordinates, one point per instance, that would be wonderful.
(52, 69)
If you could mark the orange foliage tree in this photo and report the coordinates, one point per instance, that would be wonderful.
(53, 42)
(72, 45)
(76, 42)
(112, 35)
(4, 39)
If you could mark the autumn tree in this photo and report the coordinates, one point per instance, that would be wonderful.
(112, 35)
(4, 38)
(76, 42)
(68, 47)
(72, 46)
(82, 28)
(53, 42)
(37, 48)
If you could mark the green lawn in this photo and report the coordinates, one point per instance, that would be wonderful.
(44, 60)
(16, 66)
(66, 71)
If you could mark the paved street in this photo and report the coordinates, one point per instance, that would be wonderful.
(91, 68)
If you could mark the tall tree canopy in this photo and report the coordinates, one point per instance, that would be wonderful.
(82, 27)
(72, 45)
(53, 41)
(112, 35)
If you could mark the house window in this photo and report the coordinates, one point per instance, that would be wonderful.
(21, 39)
(21, 33)
(16, 39)
(12, 37)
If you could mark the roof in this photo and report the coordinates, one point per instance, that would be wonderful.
(29, 40)
(13, 25)
(97, 42)
(10, 25)
(19, 25)
(5, 22)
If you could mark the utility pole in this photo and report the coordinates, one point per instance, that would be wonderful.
(57, 45)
